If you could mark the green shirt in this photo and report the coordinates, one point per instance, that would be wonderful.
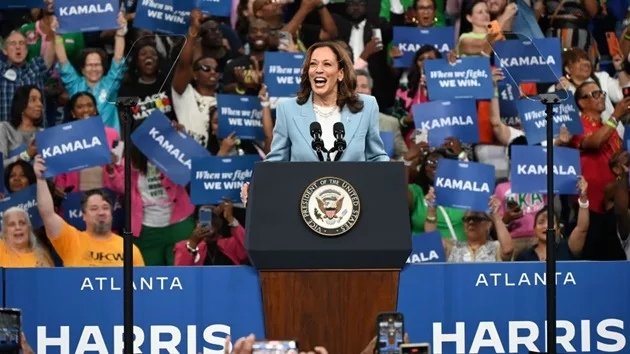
(439, 11)
(72, 41)
(419, 215)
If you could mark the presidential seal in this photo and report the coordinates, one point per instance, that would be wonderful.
(330, 206)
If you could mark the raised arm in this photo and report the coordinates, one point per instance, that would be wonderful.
(184, 70)
(52, 222)
(578, 235)
(503, 235)
(501, 130)
(601, 136)
(119, 42)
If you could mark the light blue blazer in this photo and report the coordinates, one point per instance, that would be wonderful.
(292, 137)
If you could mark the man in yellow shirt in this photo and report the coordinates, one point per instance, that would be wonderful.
(98, 246)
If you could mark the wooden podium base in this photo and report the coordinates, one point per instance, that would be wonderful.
(332, 308)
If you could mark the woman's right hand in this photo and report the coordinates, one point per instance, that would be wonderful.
(196, 16)
(228, 143)
(622, 108)
(39, 166)
(497, 75)
(563, 84)
(417, 151)
(199, 234)
(245, 193)
(430, 197)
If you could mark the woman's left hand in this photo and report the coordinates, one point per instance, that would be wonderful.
(494, 206)
(618, 62)
(228, 209)
(582, 186)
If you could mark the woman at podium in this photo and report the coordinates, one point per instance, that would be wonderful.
(327, 121)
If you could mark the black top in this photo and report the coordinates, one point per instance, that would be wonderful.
(563, 253)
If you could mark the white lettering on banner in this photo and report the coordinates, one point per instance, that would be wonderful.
(277, 69)
(161, 338)
(114, 284)
(420, 257)
(28, 205)
(168, 146)
(542, 170)
(75, 213)
(461, 185)
(77, 145)
(527, 61)
(447, 122)
(526, 333)
(85, 10)
(503, 279)
(413, 47)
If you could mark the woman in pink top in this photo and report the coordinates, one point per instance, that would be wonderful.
(81, 106)
(161, 212)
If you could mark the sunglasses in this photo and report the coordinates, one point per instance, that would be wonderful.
(595, 94)
(473, 219)
(206, 68)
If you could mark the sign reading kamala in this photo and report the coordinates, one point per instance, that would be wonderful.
(20, 4)
(388, 143)
(538, 61)
(25, 199)
(171, 151)
(445, 119)
(533, 118)
(410, 39)
(468, 78)
(529, 169)
(193, 317)
(215, 177)
(427, 247)
(464, 185)
(86, 15)
(509, 113)
(283, 73)
(73, 214)
(74, 146)
(242, 115)
(221, 8)
(165, 16)
(500, 308)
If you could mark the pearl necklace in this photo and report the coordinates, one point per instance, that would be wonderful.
(320, 111)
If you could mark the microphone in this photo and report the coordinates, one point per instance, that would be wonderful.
(318, 143)
(339, 131)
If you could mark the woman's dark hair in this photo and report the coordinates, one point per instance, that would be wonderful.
(574, 55)
(415, 4)
(138, 159)
(466, 26)
(422, 180)
(414, 73)
(29, 173)
(556, 219)
(346, 95)
(101, 53)
(521, 140)
(68, 117)
(20, 102)
(133, 75)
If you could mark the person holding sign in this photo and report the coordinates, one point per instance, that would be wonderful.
(98, 246)
(19, 247)
(566, 249)
(477, 246)
(327, 96)
(26, 120)
(82, 106)
(93, 63)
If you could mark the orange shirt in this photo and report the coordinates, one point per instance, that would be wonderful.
(79, 249)
(10, 258)
(595, 162)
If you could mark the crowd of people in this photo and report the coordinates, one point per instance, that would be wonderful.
(48, 78)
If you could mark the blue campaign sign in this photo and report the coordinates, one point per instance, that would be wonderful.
(464, 185)
(526, 62)
(86, 15)
(164, 16)
(494, 308)
(221, 8)
(171, 151)
(426, 248)
(242, 115)
(215, 177)
(25, 199)
(626, 139)
(410, 39)
(21, 4)
(529, 169)
(470, 77)
(194, 316)
(533, 118)
(73, 215)
(509, 113)
(388, 143)
(283, 73)
(74, 146)
(444, 119)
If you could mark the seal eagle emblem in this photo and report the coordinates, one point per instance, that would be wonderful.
(330, 206)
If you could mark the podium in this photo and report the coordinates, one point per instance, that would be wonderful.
(329, 240)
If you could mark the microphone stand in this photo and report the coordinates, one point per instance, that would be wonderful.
(125, 104)
(549, 100)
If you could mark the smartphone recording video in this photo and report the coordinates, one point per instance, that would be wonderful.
(275, 347)
(390, 332)
(10, 325)
(205, 216)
